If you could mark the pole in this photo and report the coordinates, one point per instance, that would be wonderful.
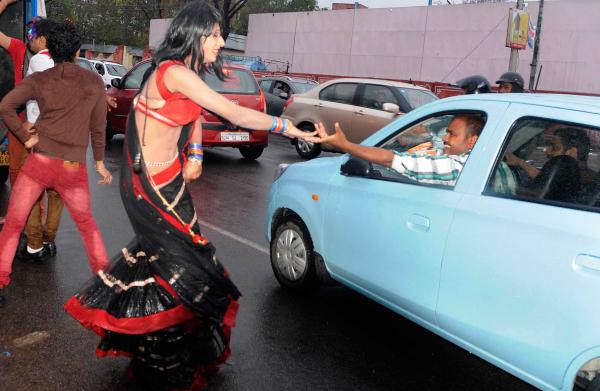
(514, 53)
(536, 46)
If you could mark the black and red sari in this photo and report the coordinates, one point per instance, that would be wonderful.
(165, 301)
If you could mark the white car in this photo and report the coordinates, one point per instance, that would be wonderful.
(109, 71)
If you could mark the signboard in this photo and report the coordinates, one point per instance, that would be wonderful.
(518, 29)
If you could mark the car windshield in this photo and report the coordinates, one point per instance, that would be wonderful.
(116, 69)
(238, 81)
(300, 87)
(85, 64)
(416, 98)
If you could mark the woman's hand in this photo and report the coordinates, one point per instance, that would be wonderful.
(104, 173)
(192, 170)
(293, 132)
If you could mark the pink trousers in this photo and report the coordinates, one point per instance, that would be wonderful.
(70, 180)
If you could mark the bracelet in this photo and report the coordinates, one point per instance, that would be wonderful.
(279, 125)
(195, 160)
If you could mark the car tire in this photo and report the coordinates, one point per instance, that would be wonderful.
(251, 153)
(292, 256)
(3, 175)
(305, 149)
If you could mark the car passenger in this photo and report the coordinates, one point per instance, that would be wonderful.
(461, 135)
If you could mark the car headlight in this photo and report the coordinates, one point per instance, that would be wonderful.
(280, 170)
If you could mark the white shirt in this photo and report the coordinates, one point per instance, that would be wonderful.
(38, 63)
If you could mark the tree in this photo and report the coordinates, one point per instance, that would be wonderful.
(228, 9)
(240, 23)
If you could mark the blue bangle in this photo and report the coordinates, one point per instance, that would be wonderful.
(273, 124)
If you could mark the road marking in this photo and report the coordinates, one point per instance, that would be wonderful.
(235, 237)
(31, 338)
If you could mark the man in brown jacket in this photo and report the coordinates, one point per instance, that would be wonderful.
(72, 105)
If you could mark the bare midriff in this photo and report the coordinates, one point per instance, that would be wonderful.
(160, 141)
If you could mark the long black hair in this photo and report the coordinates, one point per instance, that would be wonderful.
(194, 21)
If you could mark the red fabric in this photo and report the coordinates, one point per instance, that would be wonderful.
(178, 107)
(16, 50)
(112, 353)
(93, 319)
(167, 174)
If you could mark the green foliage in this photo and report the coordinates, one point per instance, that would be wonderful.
(239, 24)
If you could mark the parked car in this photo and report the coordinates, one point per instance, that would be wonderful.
(361, 106)
(240, 87)
(109, 71)
(85, 64)
(278, 89)
(510, 275)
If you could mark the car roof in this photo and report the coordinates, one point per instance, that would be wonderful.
(376, 81)
(564, 101)
(289, 78)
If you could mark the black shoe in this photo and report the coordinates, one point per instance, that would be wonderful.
(37, 256)
(50, 248)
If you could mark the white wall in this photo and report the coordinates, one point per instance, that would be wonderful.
(442, 43)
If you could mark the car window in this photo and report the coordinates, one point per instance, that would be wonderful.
(265, 85)
(116, 70)
(85, 64)
(281, 87)
(416, 98)
(238, 81)
(374, 96)
(549, 161)
(99, 68)
(339, 93)
(421, 145)
(300, 88)
(134, 79)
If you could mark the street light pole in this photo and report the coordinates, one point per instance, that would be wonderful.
(536, 46)
(514, 53)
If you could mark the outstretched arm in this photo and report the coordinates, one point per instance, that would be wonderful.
(5, 39)
(181, 79)
(380, 156)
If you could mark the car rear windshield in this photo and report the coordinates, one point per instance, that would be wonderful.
(303, 87)
(416, 98)
(238, 81)
(116, 70)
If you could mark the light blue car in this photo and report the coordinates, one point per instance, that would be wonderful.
(505, 262)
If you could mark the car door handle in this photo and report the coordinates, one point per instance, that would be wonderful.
(318, 105)
(359, 112)
(587, 262)
(417, 222)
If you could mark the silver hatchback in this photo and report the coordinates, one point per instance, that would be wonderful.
(361, 106)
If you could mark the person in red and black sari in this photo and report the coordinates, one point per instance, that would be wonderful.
(166, 300)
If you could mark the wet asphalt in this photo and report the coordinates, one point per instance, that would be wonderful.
(330, 339)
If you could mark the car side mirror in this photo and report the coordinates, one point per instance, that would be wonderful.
(283, 95)
(116, 83)
(391, 108)
(356, 167)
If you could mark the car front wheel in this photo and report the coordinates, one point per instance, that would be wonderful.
(292, 257)
(251, 153)
(306, 149)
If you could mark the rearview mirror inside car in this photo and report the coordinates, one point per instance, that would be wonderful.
(356, 167)
(391, 108)
(116, 83)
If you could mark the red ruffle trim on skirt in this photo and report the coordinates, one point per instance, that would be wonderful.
(99, 320)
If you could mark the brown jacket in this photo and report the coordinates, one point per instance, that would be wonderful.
(72, 105)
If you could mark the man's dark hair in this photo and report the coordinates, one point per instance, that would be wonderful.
(474, 123)
(63, 41)
(43, 27)
(574, 138)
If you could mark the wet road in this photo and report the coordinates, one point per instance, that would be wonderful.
(331, 339)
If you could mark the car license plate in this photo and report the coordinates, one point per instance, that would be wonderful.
(235, 136)
(3, 158)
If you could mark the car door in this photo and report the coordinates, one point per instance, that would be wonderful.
(277, 99)
(369, 115)
(384, 234)
(266, 85)
(521, 272)
(336, 104)
(129, 87)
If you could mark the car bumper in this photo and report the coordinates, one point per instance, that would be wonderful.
(218, 136)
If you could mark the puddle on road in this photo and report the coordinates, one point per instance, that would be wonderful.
(31, 338)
